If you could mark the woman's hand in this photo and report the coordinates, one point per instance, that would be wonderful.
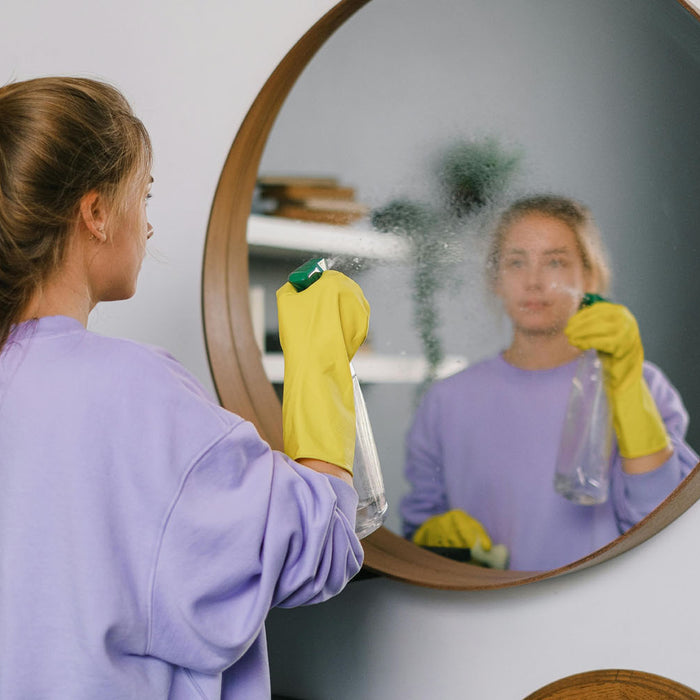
(613, 331)
(452, 529)
(321, 328)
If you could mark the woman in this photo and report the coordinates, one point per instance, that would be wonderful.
(483, 444)
(145, 531)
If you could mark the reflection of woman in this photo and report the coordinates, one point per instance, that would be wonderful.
(145, 531)
(483, 444)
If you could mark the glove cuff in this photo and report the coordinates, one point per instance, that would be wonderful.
(638, 424)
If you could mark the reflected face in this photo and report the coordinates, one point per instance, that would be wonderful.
(541, 277)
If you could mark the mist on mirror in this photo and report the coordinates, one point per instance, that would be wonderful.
(597, 97)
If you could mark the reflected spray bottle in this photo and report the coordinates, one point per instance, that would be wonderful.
(582, 471)
(367, 474)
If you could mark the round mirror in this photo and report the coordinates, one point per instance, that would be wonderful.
(241, 379)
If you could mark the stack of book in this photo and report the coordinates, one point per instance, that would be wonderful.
(320, 199)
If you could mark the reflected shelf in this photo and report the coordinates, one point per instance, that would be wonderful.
(373, 368)
(273, 236)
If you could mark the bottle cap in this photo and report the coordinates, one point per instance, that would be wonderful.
(590, 299)
(305, 275)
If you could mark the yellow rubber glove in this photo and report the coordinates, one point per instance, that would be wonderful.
(452, 529)
(320, 329)
(612, 330)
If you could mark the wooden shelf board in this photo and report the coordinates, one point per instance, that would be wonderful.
(277, 237)
(375, 368)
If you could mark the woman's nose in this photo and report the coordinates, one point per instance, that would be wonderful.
(534, 278)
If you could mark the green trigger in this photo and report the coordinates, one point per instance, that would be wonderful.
(305, 275)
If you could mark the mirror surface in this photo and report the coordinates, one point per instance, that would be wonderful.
(598, 97)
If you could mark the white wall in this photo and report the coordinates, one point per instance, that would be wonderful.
(192, 69)
(382, 639)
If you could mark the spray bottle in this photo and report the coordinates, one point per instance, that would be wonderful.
(367, 474)
(582, 471)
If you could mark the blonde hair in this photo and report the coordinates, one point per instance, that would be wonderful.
(60, 138)
(572, 213)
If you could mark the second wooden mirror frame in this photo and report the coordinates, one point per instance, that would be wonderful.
(614, 684)
(236, 363)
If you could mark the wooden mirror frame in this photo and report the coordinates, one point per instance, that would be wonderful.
(614, 684)
(236, 363)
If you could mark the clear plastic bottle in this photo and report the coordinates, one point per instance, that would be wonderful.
(367, 473)
(582, 471)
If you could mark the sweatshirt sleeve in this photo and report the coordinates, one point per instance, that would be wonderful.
(248, 530)
(427, 496)
(636, 495)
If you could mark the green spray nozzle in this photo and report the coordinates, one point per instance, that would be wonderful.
(590, 299)
(305, 275)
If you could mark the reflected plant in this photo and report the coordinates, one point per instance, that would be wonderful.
(417, 222)
(471, 175)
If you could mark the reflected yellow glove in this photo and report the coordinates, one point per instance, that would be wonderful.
(452, 529)
(612, 330)
(321, 328)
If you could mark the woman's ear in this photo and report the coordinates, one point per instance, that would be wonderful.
(93, 215)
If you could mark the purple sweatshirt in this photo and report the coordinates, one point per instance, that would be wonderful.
(485, 440)
(145, 532)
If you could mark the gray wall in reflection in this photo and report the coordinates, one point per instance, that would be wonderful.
(602, 96)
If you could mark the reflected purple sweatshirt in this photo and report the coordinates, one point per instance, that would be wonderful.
(145, 532)
(485, 440)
